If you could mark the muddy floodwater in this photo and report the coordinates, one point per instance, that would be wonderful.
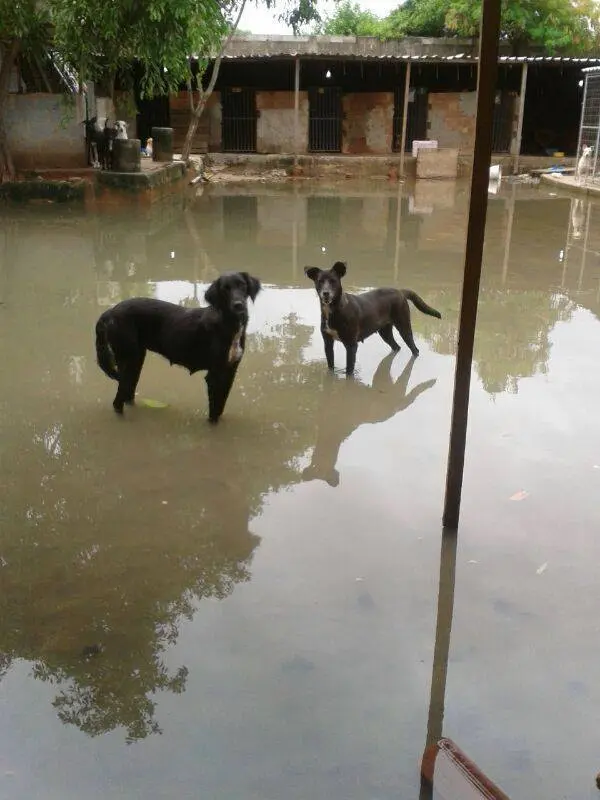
(249, 611)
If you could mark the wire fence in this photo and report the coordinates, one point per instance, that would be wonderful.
(587, 165)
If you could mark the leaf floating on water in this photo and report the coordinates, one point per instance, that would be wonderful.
(542, 569)
(519, 496)
(152, 403)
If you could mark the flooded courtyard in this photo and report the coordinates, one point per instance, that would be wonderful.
(250, 612)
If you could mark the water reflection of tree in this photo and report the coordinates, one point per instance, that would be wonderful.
(512, 337)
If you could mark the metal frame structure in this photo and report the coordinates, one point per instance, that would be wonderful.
(589, 128)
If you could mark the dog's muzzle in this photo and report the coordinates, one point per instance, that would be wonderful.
(240, 309)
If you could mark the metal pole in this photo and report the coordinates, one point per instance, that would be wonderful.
(581, 121)
(517, 152)
(486, 87)
(404, 117)
(296, 110)
(587, 177)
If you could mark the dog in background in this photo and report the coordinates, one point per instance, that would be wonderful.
(211, 339)
(584, 164)
(120, 129)
(96, 143)
(100, 141)
(352, 318)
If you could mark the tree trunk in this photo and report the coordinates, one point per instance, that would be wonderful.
(204, 94)
(193, 127)
(9, 55)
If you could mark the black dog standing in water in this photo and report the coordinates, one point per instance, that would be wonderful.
(211, 339)
(352, 318)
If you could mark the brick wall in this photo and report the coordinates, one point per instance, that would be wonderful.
(275, 124)
(208, 132)
(451, 119)
(368, 123)
(44, 133)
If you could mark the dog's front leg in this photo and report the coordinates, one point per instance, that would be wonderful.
(351, 357)
(328, 342)
(96, 163)
(219, 383)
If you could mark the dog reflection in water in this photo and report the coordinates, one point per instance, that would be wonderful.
(345, 406)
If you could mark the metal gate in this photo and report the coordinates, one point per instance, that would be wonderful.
(416, 126)
(325, 120)
(502, 122)
(238, 120)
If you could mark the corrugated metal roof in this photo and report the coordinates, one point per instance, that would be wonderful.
(370, 48)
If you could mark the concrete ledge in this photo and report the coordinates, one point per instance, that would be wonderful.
(317, 165)
(136, 182)
(442, 163)
(569, 182)
(44, 191)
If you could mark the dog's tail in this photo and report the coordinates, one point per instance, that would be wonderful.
(104, 353)
(421, 304)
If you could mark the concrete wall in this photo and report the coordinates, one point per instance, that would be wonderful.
(43, 133)
(368, 123)
(451, 119)
(275, 124)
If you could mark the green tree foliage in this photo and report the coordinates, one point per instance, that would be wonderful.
(417, 18)
(350, 19)
(556, 25)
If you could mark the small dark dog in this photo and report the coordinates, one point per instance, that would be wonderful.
(96, 145)
(211, 339)
(353, 318)
(100, 142)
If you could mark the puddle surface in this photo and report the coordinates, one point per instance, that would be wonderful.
(250, 611)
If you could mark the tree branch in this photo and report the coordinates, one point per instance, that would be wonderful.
(206, 93)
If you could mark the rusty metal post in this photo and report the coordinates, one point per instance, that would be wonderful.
(404, 117)
(486, 89)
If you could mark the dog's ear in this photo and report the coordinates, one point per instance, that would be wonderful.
(214, 294)
(339, 268)
(253, 285)
(312, 273)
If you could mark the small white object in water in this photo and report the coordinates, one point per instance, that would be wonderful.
(172, 253)
(542, 569)
(496, 173)
(323, 249)
(165, 502)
